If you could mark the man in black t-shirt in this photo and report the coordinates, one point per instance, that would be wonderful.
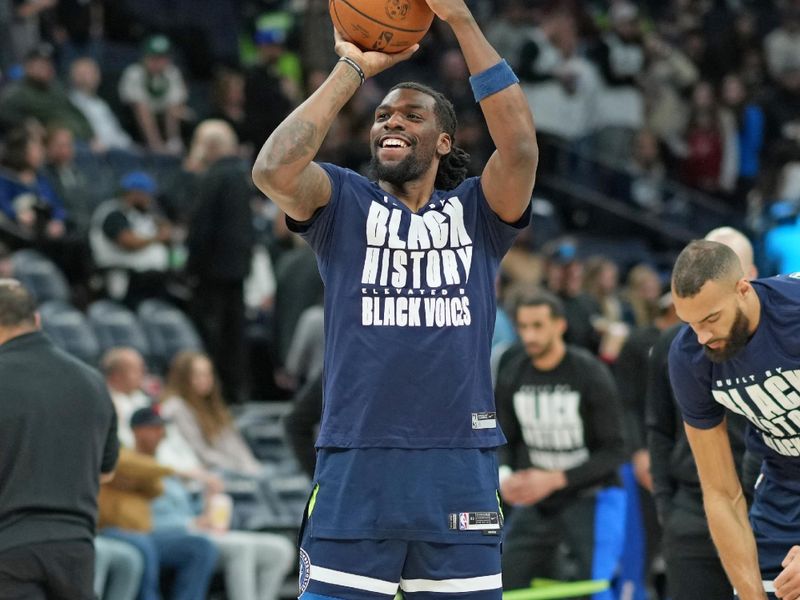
(58, 439)
(559, 409)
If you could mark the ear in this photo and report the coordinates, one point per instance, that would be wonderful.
(743, 287)
(561, 325)
(444, 145)
(37, 319)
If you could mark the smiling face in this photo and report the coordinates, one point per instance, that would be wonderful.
(406, 137)
(716, 315)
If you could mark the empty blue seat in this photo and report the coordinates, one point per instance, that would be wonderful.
(168, 332)
(70, 330)
(40, 276)
(116, 325)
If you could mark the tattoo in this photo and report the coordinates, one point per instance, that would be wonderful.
(293, 141)
(314, 187)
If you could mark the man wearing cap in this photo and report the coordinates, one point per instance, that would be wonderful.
(38, 95)
(155, 92)
(129, 241)
(266, 86)
(126, 514)
(58, 440)
(255, 563)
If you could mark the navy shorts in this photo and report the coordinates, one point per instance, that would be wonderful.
(775, 518)
(377, 569)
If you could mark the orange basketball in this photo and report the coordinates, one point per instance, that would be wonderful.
(383, 25)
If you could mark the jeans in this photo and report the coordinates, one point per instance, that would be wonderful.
(118, 569)
(192, 557)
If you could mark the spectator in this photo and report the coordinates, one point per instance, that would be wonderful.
(26, 24)
(299, 287)
(58, 439)
(782, 111)
(194, 403)
(265, 85)
(564, 278)
(307, 352)
(558, 81)
(668, 76)
(220, 243)
(125, 374)
(118, 569)
(748, 125)
(39, 95)
(559, 409)
(646, 179)
(620, 58)
(26, 196)
(228, 104)
(84, 75)
(614, 316)
(69, 182)
(782, 45)
(642, 291)
(126, 515)
(156, 94)
(705, 152)
(510, 29)
(782, 240)
(255, 563)
(302, 423)
(130, 240)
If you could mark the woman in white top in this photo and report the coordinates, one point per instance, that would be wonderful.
(193, 402)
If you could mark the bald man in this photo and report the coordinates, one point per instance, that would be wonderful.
(740, 350)
(220, 242)
(741, 246)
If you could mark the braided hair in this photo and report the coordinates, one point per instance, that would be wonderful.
(453, 166)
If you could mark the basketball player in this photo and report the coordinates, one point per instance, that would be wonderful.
(560, 409)
(406, 479)
(741, 351)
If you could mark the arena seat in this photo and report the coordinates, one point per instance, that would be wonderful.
(40, 276)
(115, 325)
(168, 332)
(70, 330)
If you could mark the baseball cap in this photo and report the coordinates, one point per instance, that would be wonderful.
(139, 181)
(157, 45)
(563, 252)
(147, 417)
(272, 28)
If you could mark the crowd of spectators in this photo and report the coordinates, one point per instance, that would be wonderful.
(127, 130)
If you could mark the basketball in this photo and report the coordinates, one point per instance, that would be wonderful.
(382, 25)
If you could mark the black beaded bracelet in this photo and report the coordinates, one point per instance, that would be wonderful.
(355, 66)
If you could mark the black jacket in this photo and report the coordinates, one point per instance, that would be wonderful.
(221, 234)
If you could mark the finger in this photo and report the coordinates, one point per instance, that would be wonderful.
(790, 556)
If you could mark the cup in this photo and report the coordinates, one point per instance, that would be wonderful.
(220, 511)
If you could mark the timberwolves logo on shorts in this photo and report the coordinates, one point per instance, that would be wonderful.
(305, 570)
(397, 9)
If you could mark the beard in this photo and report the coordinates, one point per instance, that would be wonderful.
(537, 352)
(736, 340)
(412, 167)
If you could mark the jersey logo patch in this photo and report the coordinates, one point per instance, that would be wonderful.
(305, 570)
(484, 420)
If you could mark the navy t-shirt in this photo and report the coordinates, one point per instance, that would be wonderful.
(761, 382)
(409, 315)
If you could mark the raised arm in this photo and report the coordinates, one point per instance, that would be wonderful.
(726, 509)
(284, 170)
(509, 174)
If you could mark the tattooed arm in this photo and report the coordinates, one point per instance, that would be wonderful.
(284, 170)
